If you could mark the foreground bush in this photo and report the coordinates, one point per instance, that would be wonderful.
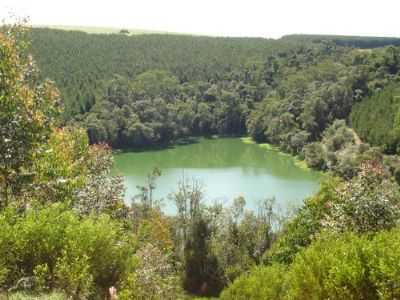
(262, 283)
(154, 277)
(384, 258)
(332, 268)
(366, 204)
(55, 248)
(345, 266)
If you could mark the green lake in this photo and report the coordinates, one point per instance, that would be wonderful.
(226, 167)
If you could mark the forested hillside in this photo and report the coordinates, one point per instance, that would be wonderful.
(79, 62)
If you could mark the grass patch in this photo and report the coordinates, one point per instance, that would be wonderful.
(270, 147)
(26, 296)
(301, 163)
(297, 161)
(266, 146)
(247, 140)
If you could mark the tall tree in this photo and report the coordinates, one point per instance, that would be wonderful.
(27, 110)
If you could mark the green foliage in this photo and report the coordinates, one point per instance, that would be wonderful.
(345, 266)
(74, 276)
(349, 41)
(340, 151)
(331, 268)
(201, 266)
(240, 237)
(157, 83)
(376, 119)
(310, 98)
(89, 59)
(315, 156)
(27, 110)
(383, 254)
(262, 283)
(192, 236)
(216, 244)
(314, 89)
(25, 296)
(369, 202)
(101, 192)
(154, 110)
(61, 167)
(299, 231)
(154, 277)
(41, 274)
(58, 249)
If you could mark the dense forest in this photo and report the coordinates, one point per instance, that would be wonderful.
(91, 59)
(65, 230)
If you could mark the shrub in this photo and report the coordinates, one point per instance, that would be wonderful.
(333, 267)
(376, 118)
(24, 296)
(37, 239)
(54, 248)
(383, 259)
(103, 245)
(300, 231)
(154, 277)
(315, 155)
(263, 283)
(368, 203)
(74, 277)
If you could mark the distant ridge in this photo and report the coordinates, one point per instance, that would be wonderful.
(103, 30)
(348, 41)
(131, 31)
(341, 40)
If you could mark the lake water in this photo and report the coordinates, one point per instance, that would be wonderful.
(226, 167)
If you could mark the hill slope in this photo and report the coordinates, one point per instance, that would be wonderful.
(346, 41)
(78, 61)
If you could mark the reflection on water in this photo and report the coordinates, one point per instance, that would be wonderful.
(227, 167)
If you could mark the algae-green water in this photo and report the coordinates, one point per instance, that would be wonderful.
(226, 168)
